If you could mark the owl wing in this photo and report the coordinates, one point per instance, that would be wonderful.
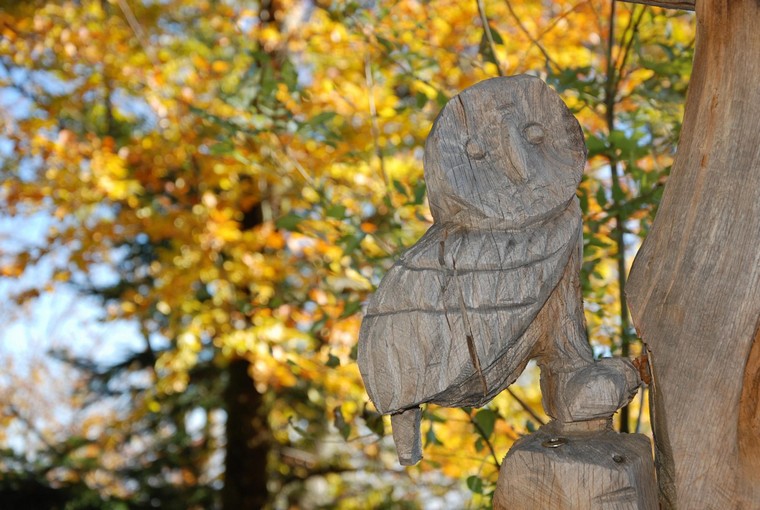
(447, 320)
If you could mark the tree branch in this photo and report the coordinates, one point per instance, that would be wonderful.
(483, 435)
(526, 407)
(533, 40)
(488, 35)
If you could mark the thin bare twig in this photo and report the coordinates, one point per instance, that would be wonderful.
(485, 438)
(488, 35)
(533, 40)
(559, 18)
(374, 125)
(632, 28)
(294, 161)
(138, 31)
(525, 407)
(618, 231)
(31, 427)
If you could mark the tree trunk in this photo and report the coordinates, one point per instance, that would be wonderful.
(248, 442)
(248, 434)
(694, 289)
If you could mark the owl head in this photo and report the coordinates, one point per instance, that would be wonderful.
(505, 153)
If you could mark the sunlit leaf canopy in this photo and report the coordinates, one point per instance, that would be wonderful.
(244, 173)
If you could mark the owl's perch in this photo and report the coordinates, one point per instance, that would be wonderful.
(578, 466)
(494, 283)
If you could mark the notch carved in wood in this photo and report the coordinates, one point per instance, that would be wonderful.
(495, 281)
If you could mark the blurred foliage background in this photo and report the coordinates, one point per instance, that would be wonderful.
(228, 180)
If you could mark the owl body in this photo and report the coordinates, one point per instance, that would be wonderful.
(494, 282)
(459, 282)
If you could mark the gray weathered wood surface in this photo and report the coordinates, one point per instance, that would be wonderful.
(576, 466)
(694, 288)
(495, 281)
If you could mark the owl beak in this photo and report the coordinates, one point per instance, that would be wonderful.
(517, 164)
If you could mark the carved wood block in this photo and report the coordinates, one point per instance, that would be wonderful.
(571, 468)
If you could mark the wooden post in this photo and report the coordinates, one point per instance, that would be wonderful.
(495, 282)
(694, 289)
(582, 465)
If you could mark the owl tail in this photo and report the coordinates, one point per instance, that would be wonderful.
(406, 435)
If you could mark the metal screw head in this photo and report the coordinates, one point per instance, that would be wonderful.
(554, 442)
(618, 458)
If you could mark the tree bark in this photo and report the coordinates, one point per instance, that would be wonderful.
(248, 442)
(694, 289)
(247, 429)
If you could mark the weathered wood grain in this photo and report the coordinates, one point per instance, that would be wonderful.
(694, 288)
(578, 466)
(406, 435)
(493, 158)
(495, 281)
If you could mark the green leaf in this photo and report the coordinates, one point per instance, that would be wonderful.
(486, 419)
(441, 99)
(385, 43)
(268, 81)
(340, 423)
(431, 438)
(399, 187)
(322, 118)
(601, 196)
(288, 222)
(430, 415)
(318, 325)
(336, 211)
(222, 148)
(351, 308)
(351, 242)
(584, 203)
(595, 145)
(289, 74)
(595, 241)
(375, 423)
(333, 361)
(419, 191)
(496, 36)
(420, 100)
(475, 484)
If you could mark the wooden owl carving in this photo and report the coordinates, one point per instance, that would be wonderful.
(494, 281)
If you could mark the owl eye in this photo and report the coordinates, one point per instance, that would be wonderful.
(474, 149)
(534, 133)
